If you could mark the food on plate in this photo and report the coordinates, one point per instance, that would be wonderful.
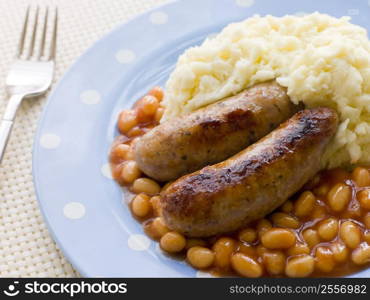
(252, 200)
(321, 60)
(226, 196)
(133, 123)
(212, 134)
(315, 219)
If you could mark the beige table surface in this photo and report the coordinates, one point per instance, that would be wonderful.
(26, 248)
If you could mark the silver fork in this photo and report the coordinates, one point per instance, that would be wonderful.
(32, 72)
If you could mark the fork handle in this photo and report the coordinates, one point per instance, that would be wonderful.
(6, 124)
(5, 129)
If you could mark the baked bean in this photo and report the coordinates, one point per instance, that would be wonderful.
(297, 249)
(328, 229)
(120, 151)
(340, 251)
(172, 242)
(350, 234)
(274, 262)
(319, 212)
(158, 114)
(195, 242)
(304, 205)
(130, 172)
(136, 131)
(364, 199)
(146, 185)
(324, 259)
(361, 176)
(287, 207)
(200, 257)
(157, 92)
(352, 212)
(127, 120)
(246, 266)
(367, 236)
(260, 250)
(156, 228)
(284, 220)
(249, 250)
(141, 205)
(339, 196)
(116, 170)
(322, 190)
(130, 154)
(156, 204)
(361, 255)
(300, 266)
(147, 108)
(262, 226)
(367, 220)
(311, 237)
(247, 235)
(278, 238)
(223, 249)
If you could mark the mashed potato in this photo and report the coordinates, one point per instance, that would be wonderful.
(322, 60)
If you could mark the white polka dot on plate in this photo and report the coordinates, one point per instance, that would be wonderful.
(50, 141)
(106, 171)
(244, 3)
(74, 210)
(158, 17)
(125, 56)
(90, 97)
(138, 242)
(202, 274)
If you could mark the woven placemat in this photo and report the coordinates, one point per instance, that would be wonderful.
(26, 248)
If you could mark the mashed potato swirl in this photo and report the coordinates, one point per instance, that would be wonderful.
(322, 60)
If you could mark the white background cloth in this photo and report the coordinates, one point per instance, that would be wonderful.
(26, 248)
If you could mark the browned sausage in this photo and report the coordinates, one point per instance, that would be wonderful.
(212, 134)
(251, 184)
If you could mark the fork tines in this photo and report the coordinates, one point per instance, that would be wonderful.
(38, 37)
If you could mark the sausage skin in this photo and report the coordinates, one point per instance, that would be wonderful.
(212, 134)
(226, 196)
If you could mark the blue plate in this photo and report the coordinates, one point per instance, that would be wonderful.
(83, 207)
